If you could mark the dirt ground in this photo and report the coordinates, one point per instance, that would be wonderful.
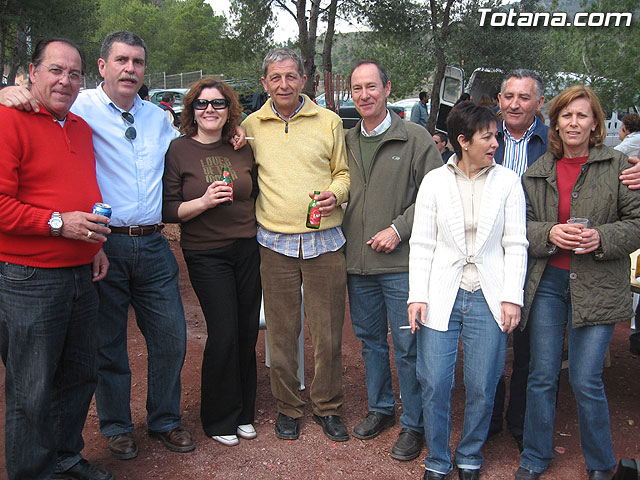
(315, 457)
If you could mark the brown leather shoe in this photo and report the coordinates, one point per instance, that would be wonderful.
(176, 440)
(123, 446)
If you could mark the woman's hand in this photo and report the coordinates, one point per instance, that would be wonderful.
(509, 316)
(417, 315)
(566, 236)
(218, 192)
(590, 241)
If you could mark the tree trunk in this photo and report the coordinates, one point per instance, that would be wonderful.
(328, 39)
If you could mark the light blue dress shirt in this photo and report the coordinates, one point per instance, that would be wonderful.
(129, 171)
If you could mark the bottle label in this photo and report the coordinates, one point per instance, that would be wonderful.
(314, 216)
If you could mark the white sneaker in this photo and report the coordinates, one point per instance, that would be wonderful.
(228, 440)
(247, 431)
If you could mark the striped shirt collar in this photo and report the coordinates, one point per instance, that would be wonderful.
(273, 106)
(515, 151)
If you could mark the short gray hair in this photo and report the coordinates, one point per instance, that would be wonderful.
(525, 73)
(384, 76)
(122, 36)
(279, 55)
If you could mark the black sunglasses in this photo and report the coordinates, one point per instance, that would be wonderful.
(130, 132)
(216, 103)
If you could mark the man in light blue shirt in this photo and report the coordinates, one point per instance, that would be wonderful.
(419, 112)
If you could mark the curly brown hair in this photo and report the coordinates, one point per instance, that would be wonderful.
(188, 125)
(560, 102)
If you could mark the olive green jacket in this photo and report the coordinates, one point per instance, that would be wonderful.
(599, 281)
(386, 195)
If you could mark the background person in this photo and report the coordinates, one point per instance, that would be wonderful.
(442, 140)
(166, 104)
(467, 266)
(419, 112)
(588, 290)
(630, 135)
(218, 240)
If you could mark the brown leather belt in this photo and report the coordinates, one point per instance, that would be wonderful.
(137, 230)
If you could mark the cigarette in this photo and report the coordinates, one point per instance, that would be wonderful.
(405, 327)
(250, 138)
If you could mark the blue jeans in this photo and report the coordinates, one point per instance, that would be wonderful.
(144, 273)
(548, 319)
(484, 345)
(48, 345)
(373, 299)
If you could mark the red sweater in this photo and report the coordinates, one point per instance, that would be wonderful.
(44, 168)
(568, 170)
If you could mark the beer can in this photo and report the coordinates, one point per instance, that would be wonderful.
(102, 209)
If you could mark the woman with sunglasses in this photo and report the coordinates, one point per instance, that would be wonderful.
(218, 240)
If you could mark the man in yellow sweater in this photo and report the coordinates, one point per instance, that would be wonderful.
(299, 148)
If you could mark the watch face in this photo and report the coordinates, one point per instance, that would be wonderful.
(55, 222)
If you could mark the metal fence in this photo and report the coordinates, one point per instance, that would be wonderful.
(161, 79)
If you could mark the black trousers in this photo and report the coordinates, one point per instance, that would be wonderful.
(227, 283)
(517, 388)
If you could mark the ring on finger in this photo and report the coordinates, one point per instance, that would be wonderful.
(89, 234)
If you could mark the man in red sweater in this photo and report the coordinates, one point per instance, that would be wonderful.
(50, 255)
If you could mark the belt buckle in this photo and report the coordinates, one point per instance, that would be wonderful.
(133, 233)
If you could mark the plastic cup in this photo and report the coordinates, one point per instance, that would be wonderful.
(585, 222)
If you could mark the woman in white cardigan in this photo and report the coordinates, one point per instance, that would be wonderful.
(467, 265)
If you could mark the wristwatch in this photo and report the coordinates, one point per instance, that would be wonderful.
(55, 223)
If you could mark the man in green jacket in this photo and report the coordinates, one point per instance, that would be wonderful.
(388, 159)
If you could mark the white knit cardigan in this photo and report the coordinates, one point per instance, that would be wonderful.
(438, 250)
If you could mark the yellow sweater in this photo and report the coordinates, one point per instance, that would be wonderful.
(309, 154)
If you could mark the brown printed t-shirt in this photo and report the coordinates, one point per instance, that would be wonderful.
(190, 167)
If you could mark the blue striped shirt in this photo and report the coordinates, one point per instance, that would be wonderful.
(312, 244)
(515, 151)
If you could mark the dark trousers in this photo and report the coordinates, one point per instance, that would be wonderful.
(517, 388)
(227, 283)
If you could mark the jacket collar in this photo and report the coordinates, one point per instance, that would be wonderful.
(397, 130)
(546, 164)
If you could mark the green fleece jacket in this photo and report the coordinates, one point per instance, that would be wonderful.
(386, 194)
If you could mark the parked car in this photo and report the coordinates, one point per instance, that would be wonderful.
(348, 112)
(155, 96)
(407, 104)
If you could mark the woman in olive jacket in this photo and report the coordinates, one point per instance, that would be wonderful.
(577, 275)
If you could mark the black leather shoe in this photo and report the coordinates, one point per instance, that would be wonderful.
(333, 427)
(468, 474)
(429, 475)
(524, 474)
(408, 446)
(122, 446)
(83, 470)
(600, 475)
(373, 425)
(287, 428)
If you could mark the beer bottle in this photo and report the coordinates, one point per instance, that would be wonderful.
(226, 178)
(313, 214)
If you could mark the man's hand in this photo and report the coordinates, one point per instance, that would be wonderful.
(417, 315)
(326, 202)
(100, 266)
(385, 240)
(509, 317)
(19, 98)
(631, 176)
(239, 139)
(84, 226)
